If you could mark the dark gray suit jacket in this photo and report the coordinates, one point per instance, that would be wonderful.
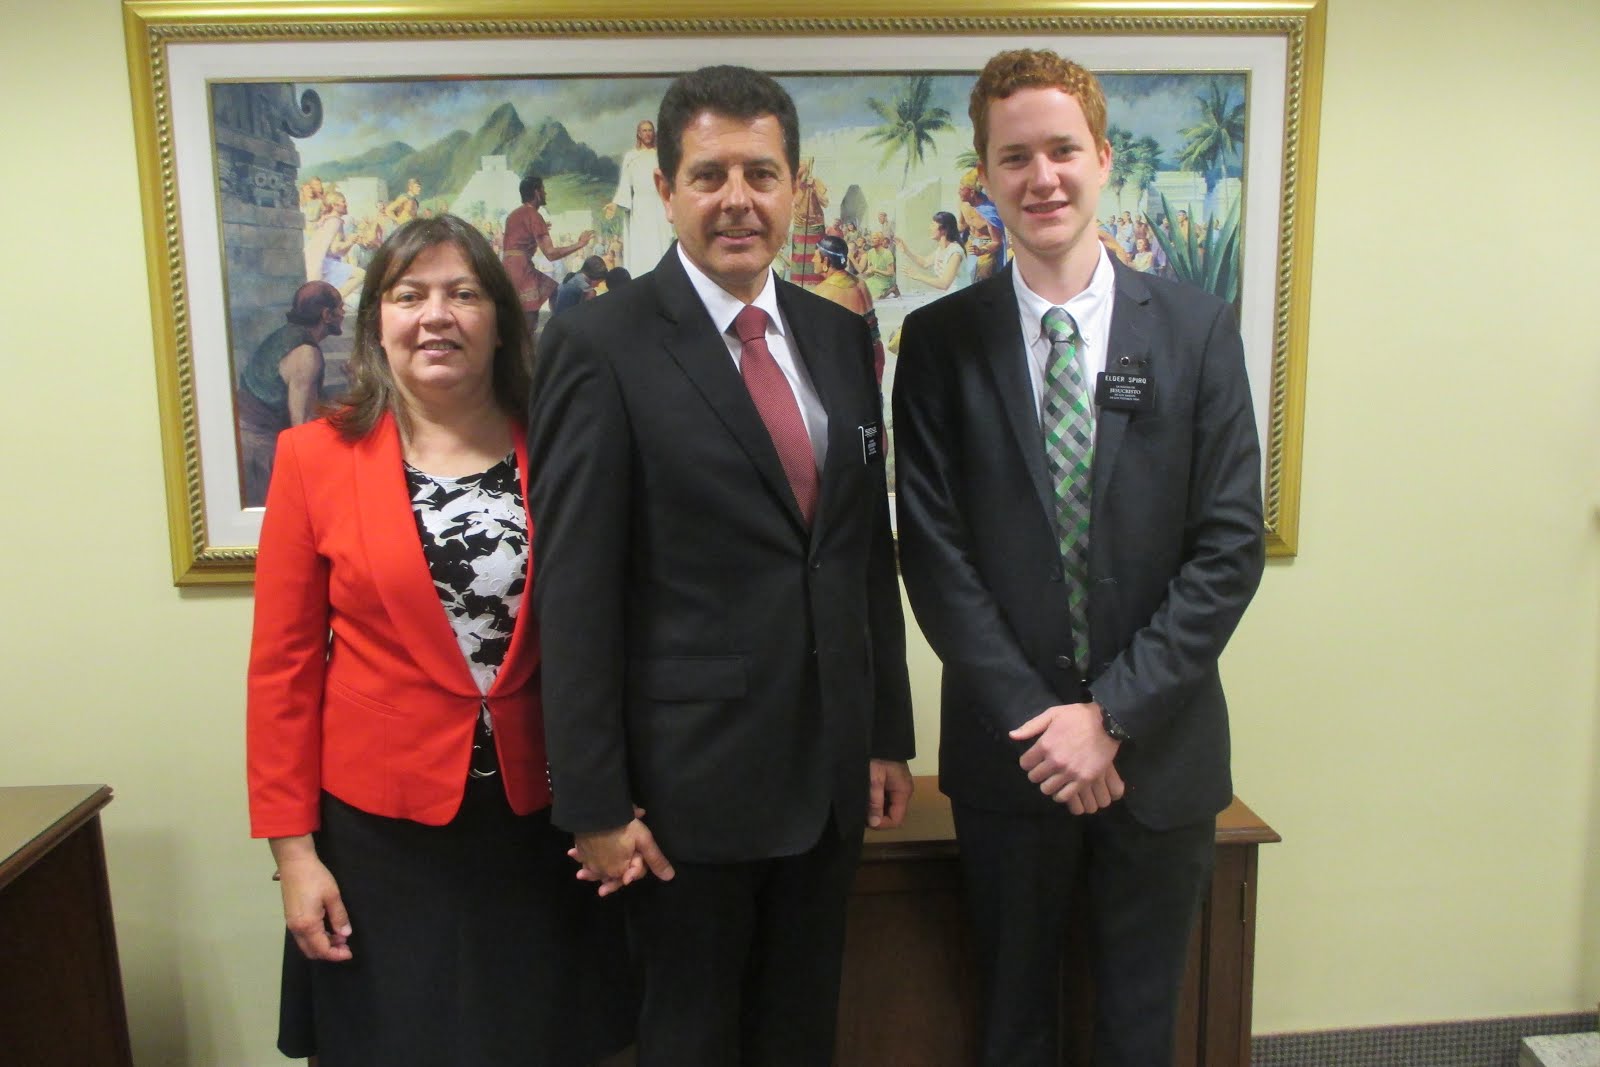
(705, 655)
(1176, 542)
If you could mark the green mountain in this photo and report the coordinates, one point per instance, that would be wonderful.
(445, 166)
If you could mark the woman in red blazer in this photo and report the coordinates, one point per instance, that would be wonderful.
(396, 754)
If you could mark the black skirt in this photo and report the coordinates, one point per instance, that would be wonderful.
(472, 943)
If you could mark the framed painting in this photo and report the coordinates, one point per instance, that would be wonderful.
(279, 142)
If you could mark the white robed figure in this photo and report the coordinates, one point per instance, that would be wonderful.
(646, 233)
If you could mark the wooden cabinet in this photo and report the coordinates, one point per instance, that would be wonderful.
(60, 985)
(908, 994)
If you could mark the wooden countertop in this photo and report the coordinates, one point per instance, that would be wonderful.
(928, 831)
(33, 818)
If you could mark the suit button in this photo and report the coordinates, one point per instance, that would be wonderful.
(1064, 662)
(816, 564)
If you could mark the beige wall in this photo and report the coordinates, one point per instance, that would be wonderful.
(1415, 697)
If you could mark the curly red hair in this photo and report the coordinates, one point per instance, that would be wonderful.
(1030, 68)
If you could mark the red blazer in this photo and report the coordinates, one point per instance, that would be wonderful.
(357, 685)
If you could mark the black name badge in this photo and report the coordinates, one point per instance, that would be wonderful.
(1121, 391)
(871, 442)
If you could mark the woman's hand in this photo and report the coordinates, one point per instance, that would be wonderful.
(312, 907)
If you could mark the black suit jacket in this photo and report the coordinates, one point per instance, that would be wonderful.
(1176, 542)
(705, 655)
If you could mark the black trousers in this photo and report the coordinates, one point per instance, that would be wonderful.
(1144, 890)
(741, 961)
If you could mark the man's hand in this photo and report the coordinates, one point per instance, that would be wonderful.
(888, 794)
(1071, 760)
(620, 856)
(312, 907)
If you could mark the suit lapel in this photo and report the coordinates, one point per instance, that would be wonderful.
(808, 343)
(1130, 338)
(399, 569)
(1008, 363)
(692, 341)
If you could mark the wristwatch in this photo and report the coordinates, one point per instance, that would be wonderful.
(1112, 726)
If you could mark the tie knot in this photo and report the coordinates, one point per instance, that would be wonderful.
(1059, 327)
(750, 324)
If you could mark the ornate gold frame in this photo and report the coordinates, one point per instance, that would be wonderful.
(152, 27)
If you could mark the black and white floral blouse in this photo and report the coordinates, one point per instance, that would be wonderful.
(474, 534)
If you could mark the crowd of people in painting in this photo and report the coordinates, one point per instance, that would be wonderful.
(960, 246)
(854, 258)
(338, 248)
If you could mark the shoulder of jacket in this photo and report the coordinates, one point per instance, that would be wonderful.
(1171, 294)
(318, 433)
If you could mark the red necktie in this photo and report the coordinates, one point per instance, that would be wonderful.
(778, 408)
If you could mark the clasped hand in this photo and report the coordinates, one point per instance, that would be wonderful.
(620, 856)
(624, 854)
(1071, 758)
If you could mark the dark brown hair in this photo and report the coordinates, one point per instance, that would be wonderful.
(372, 387)
(732, 92)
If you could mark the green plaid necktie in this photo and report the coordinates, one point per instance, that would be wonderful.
(1067, 419)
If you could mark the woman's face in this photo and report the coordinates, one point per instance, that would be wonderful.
(935, 230)
(438, 330)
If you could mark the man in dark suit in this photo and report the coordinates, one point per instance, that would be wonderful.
(1080, 531)
(726, 701)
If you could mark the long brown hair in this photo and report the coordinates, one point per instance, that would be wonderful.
(372, 388)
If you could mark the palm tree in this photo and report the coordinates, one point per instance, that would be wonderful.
(1121, 160)
(1216, 138)
(1133, 162)
(910, 121)
(1145, 161)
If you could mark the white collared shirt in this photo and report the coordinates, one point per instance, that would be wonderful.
(1090, 309)
(723, 306)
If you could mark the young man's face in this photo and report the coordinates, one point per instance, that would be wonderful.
(731, 199)
(1044, 173)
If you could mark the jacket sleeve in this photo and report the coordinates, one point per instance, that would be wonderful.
(954, 607)
(579, 492)
(893, 723)
(288, 660)
(1224, 549)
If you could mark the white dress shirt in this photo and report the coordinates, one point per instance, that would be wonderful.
(723, 306)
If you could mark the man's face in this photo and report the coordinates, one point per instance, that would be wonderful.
(645, 134)
(414, 187)
(1044, 173)
(730, 200)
